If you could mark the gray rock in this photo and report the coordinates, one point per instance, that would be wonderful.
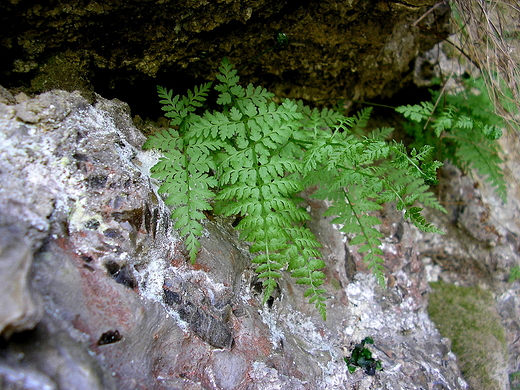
(19, 310)
(481, 245)
(123, 307)
(6, 97)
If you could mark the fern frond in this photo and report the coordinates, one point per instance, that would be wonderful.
(491, 132)
(318, 120)
(258, 95)
(444, 121)
(186, 163)
(350, 209)
(269, 242)
(465, 129)
(373, 150)
(165, 140)
(417, 112)
(306, 275)
(305, 263)
(359, 186)
(477, 152)
(187, 187)
(227, 76)
(408, 190)
(360, 121)
(416, 163)
(253, 156)
(216, 126)
(381, 134)
(414, 215)
(179, 108)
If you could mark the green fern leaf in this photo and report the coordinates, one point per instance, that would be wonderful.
(381, 134)
(253, 156)
(414, 214)
(318, 120)
(179, 109)
(444, 121)
(465, 128)
(164, 140)
(417, 112)
(258, 95)
(360, 121)
(477, 152)
(351, 208)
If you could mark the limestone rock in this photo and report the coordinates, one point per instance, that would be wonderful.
(480, 248)
(123, 307)
(18, 309)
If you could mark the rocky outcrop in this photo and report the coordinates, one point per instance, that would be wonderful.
(120, 307)
(353, 49)
(481, 248)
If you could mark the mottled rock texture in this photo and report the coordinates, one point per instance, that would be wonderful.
(481, 247)
(353, 49)
(122, 308)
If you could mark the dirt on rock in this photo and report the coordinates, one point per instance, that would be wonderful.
(315, 50)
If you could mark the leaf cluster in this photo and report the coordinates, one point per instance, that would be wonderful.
(362, 357)
(464, 129)
(357, 174)
(515, 274)
(251, 158)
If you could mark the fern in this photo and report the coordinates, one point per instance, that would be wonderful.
(358, 174)
(475, 151)
(463, 130)
(185, 166)
(252, 156)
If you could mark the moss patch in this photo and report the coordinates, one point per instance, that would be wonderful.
(67, 71)
(468, 317)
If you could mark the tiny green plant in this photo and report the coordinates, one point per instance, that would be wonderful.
(515, 274)
(514, 380)
(463, 129)
(362, 357)
(251, 157)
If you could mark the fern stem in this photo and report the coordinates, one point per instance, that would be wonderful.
(374, 266)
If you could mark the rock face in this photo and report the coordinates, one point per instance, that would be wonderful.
(350, 49)
(481, 248)
(120, 307)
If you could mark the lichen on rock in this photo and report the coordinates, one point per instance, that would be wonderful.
(468, 317)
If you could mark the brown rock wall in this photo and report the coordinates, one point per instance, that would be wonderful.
(353, 49)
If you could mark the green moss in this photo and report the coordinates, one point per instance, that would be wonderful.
(468, 317)
(514, 380)
(67, 71)
(335, 283)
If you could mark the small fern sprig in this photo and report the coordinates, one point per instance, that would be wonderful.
(475, 150)
(353, 214)
(305, 264)
(358, 173)
(184, 169)
(258, 179)
(467, 133)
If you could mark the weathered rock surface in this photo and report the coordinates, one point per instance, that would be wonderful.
(350, 49)
(481, 247)
(123, 308)
(18, 310)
